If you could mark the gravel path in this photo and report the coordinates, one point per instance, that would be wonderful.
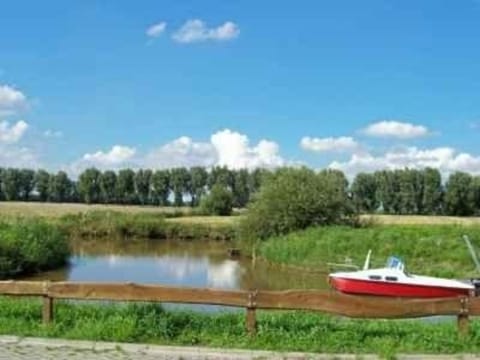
(15, 348)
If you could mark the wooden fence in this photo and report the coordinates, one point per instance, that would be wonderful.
(324, 301)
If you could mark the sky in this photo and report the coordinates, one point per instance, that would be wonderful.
(353, 85)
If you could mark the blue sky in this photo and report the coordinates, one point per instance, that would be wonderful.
(348, 84)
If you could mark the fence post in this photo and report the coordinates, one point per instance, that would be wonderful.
(462, 318)
(251, 316)
(47, 311)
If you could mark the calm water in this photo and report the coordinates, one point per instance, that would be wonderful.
(178, 263)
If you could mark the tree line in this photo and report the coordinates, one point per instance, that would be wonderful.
(411, 191)
(178, 186)
(406, 191)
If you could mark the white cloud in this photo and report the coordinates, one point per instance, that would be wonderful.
(11, 100)
(12, 133)
(225, 148)
(196, 31)
(445, 159)
(395, 129)
(339, 144)
(156, 30)
(234, 151)
(15, 156)
(52, 133)
(118, 154)
(181, 152)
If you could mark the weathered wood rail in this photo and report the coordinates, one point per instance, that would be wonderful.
(324, 301)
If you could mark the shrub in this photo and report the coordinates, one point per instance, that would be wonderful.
(294, 199)
(29, 246)
(218, 202)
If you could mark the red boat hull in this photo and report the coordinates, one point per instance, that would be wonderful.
(380, 288)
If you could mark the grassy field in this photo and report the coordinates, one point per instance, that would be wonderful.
(281, 331)
(427, 249)
(420, 220)
(54, 210)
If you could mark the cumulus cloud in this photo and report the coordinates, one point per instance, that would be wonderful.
(11, 152)
(10, 134)
(330, 144)
(11, 100)
(197, 31)
(225, 148)
(446, 159)
(118, 154)
(395, 129)
(235, 152)
(156, 30)
(181, 152)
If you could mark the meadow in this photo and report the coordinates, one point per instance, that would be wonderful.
(280, 331)
(436, 250)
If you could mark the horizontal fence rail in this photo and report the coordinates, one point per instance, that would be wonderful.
(329, 302)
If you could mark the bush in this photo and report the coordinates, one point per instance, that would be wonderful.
(218, 202)
(29, 246)
(294, 199)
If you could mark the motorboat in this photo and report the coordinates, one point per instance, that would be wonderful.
(393, 280)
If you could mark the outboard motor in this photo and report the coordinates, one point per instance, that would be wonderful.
(476, 283)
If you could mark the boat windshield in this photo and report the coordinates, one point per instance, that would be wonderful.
(395, 263)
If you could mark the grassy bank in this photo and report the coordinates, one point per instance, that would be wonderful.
(427, 249)
(29, 246)
(143, 225)
(281, 331)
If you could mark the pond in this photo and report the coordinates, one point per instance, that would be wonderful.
(177, 263)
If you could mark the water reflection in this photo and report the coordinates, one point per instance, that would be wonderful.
(178, 263)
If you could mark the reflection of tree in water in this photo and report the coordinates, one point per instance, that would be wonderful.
(215, 251)
(265, 276)
(182, 263)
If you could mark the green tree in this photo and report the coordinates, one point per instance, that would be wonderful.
(60, 187)
(388, 191)
(199, 177)
(126, 186)
(2, 196)
(364, 188)
(476, 193)
(460, 195)
(218, 202)
(220, 175)
(161, 186)
(179, 179)
(407, 197)
(293, 199)
(143, 180)
(27, 183)
(11, 184)
(257, 178)
(89, 186)
(432, 192)
(241, 190)
(42, 180)
(108, 185)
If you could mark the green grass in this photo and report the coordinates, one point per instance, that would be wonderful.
(142, 225)
(280, 331)
(29, 246)
(428, 249)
